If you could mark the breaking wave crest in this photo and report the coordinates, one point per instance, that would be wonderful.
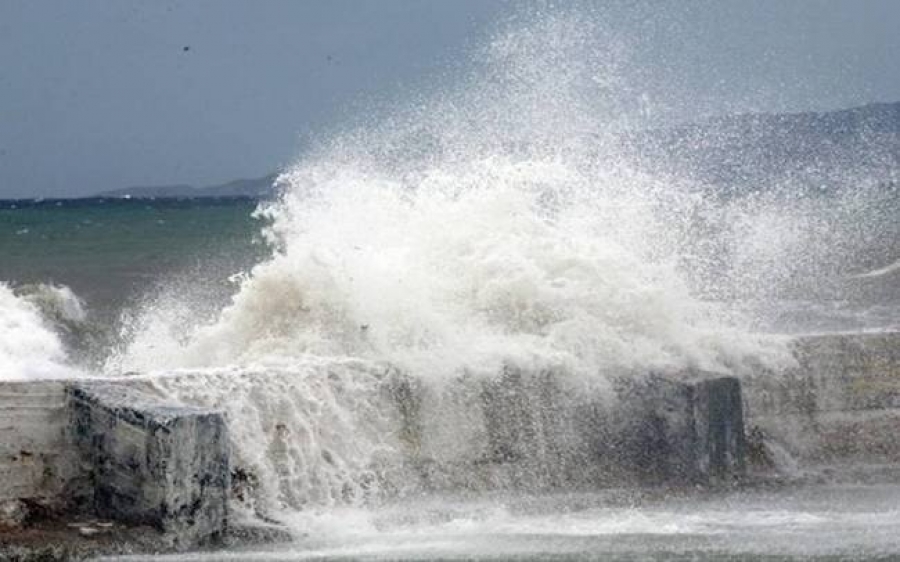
(497, 222)
(30, 321)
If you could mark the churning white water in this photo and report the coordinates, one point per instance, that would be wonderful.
(496, 222)
(29, 346)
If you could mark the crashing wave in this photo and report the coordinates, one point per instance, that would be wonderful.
(498, 222)
(29, 346)
(495, 225)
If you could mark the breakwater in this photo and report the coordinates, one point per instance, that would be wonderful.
(146, 451)
(839, 406)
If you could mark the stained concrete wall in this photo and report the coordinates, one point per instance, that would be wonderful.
(116, 451)
(679, 429)
(537, 431)
(718, 416)
(840, 404)
(37, 459)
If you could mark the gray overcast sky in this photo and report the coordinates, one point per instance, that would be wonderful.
(99, 95)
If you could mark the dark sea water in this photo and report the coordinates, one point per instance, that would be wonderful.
(112, 252)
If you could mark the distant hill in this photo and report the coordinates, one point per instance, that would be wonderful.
(743, 152)
(258, 188)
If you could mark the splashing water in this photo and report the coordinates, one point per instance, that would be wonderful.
(492, 224)
(29, 347)
(503, 221)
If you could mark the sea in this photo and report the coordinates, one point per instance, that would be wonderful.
(499, 221)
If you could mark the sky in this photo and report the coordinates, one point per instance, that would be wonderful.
(98, 95)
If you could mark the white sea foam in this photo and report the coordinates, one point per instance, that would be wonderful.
(492, 224)
(309, 433)
(880, 272)
(29, 348)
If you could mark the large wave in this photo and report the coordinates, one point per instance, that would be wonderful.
(30, 347)
(495, 221)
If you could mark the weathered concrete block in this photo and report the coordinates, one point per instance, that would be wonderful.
(718, 416)
(682, 430)
(655, 435)
(480, 433)
(524, 416)
(153, 463)
(837, 372)
(37, 461)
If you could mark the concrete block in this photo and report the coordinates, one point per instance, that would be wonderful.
(838, 372)
(529, 424)
(37, 461)
(154, 463)
(655, 435)
(719, 422)
(681, 430)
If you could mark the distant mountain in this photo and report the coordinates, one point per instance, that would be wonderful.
(258, 188)
(815, 150)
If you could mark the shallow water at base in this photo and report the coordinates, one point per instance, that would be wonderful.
(821, 522)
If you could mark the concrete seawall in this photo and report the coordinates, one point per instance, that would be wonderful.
(535, 431)
(839, 405)
(123, 451)
(115, 451)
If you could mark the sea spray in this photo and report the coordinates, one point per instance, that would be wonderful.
(494, 225)
(496, 221)
(311, 433)
(29, 346)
